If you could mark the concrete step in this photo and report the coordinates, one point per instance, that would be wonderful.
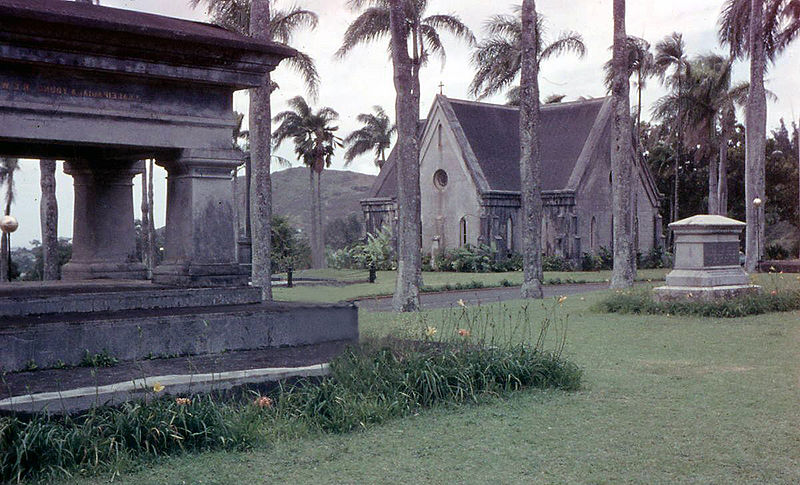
(112, 296)
(148, 387)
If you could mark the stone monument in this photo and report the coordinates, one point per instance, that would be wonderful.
(706, 261)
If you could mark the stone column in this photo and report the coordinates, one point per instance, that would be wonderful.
(103, 234)
(201, 241)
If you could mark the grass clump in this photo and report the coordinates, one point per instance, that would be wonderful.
(394, 379)
(47, 445)
(642, 302)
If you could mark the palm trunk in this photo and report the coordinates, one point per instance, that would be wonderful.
(151, 230)
(755, 139)
(530, 157)
(317, 241)
(409, 261)
(48, 215)
(146, 226)
(728, 119)
(621, 158)
(713, 174)
(4, 257)
(261, 184)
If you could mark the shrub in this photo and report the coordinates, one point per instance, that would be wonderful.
(377, 250)
(776, 251)
(555, 263)
(653, 259)
(642, 302)
(477, 259)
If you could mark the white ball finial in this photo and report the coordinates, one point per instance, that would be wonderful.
(8, 224)
(757, 202)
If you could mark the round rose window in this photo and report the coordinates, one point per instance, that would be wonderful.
(440, 179)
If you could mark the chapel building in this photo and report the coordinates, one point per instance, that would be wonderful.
(470, 180)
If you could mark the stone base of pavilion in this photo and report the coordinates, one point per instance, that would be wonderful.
(49, 325)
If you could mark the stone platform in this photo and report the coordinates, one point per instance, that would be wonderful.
(49, 325)
(694, 293)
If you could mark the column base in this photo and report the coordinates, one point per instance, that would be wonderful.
(199, 275)
(76, 270)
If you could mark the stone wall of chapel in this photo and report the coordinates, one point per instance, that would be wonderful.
(443, 207)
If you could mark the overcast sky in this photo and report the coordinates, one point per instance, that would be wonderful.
(353, 85)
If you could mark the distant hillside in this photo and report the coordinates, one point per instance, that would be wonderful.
(341, 192)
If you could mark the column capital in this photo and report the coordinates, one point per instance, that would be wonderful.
(204, 162)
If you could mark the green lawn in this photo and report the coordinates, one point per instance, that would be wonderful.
(386, 279)
(665, 400)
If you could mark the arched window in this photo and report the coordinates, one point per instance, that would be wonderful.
(462, 232)
(593, 234)
(510, 234)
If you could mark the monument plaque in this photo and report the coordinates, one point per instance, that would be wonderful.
(706, 260)
(721, 254)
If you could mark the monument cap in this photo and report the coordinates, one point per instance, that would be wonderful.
(707, 221)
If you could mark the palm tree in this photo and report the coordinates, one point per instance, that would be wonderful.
(283, 24)
(405, 23)
(707, 100)
(530, 153)
(498, 58)
(760, 29)
(375, 134)
(314, 143)
(621, 157)
(671, 56)
(48, 211)
(260, 188)
(641, 62)
(7, 168)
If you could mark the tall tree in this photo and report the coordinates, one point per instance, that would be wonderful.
(621, 158)
(314, 143)
(146, 215)
(530, 154)
(671, 56)
(48, 217)
(283, 25)
(498, 58)
(755, 141)
(707, 101)
(151, 228)
(260, 182)
(8, 166)
(375, 135)
(760, 29)
(642, 63)
(407, 26)
(406, 85)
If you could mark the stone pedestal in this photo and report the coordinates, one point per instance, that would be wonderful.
(104, 238)
(706, 261)
(201, 240)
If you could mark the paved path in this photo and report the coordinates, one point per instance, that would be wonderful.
(483, 296)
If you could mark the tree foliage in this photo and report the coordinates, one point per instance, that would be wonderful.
(498, 58)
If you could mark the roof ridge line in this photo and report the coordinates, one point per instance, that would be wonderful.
(516, 108)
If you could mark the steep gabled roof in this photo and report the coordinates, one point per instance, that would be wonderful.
(386, 183)
(572, 135)
(492, 132)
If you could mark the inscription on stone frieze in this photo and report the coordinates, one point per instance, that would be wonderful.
(64, 90)
(721, 253)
